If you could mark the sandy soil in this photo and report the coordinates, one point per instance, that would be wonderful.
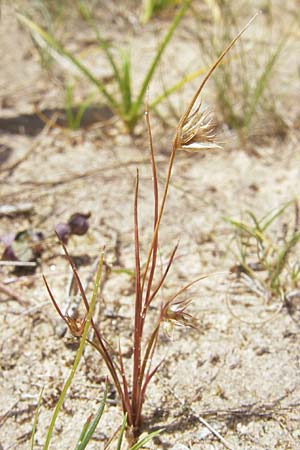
(242, 379)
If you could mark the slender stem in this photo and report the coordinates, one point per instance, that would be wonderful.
(159, 285)
(126, 404)
(138, 310)
(155, 192)
(165, 193)
(177, 136)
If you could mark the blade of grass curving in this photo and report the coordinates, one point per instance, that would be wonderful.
(35, 420)
(278, 212)
(78, 354)
(57, 47)
(90, 426)
(255, 220)
(177, 86)
(262, 82)
(246, 229)
(102, 43)
(146, 439)
(140, 98)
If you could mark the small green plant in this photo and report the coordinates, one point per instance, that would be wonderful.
(127, 106)
(265, 255)
(243, 84)
(194, 132)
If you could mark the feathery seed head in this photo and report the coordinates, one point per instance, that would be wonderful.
(198, 132)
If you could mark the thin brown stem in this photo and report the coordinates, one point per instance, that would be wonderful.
(161, 282)
(176, 139)
(138, 310)
(126, 399)
(155, 193)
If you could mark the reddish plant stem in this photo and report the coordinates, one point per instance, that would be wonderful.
(137, 319)
(155, 193)
(177, 136)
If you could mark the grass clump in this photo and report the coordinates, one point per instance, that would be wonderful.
(265, 255)
(194, 132)
(128, 106)
(245, 93)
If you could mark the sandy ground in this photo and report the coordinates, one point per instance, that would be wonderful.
(242, 379)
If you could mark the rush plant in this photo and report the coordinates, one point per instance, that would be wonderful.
(194, 132)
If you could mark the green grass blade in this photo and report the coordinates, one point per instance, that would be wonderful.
(177, 86)
(262, 82)
(57, 47)
(123, 426)
(282, 257)
(81, 110)
(78, 355)
(36, 416)
(68, 106)
(89, 427)
(267, 220)
(243, 227)
(137, 104)
(126, 82)
(83, 433)
(102, 43)
(255, 220)
(146, 439)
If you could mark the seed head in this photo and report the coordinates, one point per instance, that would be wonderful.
(198, 132)
(176, 314)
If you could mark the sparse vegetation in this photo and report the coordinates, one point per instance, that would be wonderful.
(266, 255)
(229, 369)
(244, 93)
